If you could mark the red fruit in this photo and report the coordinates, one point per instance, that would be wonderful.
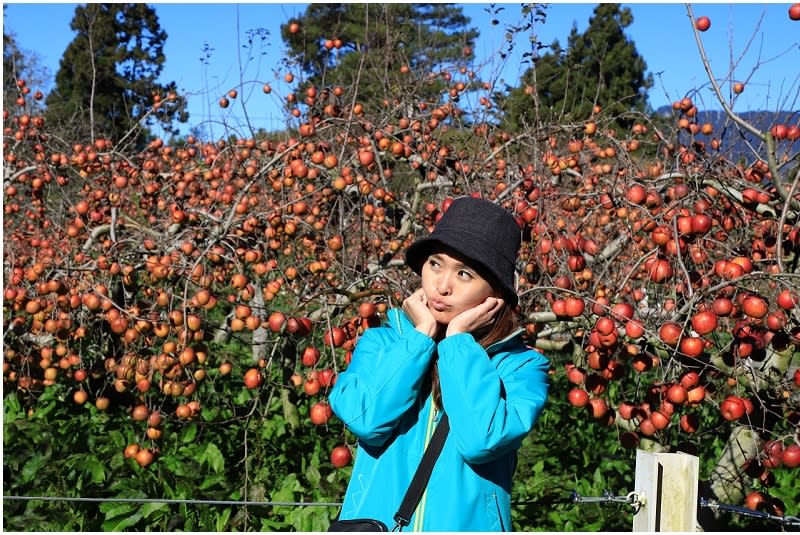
(559, 308)
(786, 299)
(145, 457)
(634, 329)
(702, 23)
(754, 306)
(578, 397)
(677, 394)
(577, 376)
(667, 407)
(293, 326)
(658, 269)
(310, 356)
(696, 395)
(722, 306)
(320, 412)
(312, 386)
(327, 377)
(296, 379)
(647, 428)
(276, 321)
(661, 235)
(605, 325)
(791, 456)
(131, 450)
(299, 326)
(636, 194)
(366, 157)
(692, 346)
(690, 380)
(689, 423)
(140, 413)
(597, 408)
(626, 410)
(660, 420)
(779, 131)
(755, 500)
(574, 306)
(642, 362)
(366, 310)
(622, 311)
(335, 336)
(253, 378)
(597, 361)
(776, 321)
(563, 282)
(701, 224)
(704, 322)
(341, 456)
(773, 449)
(670, 333)
(732, 408)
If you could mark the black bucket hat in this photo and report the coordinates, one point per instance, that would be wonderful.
(483, 233)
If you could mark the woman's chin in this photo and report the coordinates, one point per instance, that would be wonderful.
(442, 317)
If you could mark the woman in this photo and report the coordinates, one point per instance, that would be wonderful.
(454, 347)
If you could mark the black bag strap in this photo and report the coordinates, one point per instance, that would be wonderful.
(420, 480)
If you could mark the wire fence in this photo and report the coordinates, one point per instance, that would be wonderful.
(632, 499)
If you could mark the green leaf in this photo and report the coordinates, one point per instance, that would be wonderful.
(151, 507)
(95, 469)
(189, 433)
(12, 410)
(32, 468)
(122, 522)
(222, 519)
(113, 509)
(213, 457)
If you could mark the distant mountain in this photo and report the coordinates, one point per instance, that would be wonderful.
(737, 141)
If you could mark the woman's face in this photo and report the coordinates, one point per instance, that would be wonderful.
(451, 287)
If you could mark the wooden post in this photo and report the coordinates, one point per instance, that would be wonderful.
(668, 482)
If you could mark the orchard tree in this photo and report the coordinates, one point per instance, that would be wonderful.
(106, 84)
(377, 45)
(599, 66)
(174, 317)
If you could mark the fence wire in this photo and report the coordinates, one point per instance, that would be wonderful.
(785, 520)
(632, 498)
(175, 501)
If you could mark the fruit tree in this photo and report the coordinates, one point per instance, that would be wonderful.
(200, 288)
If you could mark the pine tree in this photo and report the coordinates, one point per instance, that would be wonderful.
(106, 84)
(599, 67)
(373, 42)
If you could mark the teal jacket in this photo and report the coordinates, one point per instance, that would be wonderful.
(492, 401)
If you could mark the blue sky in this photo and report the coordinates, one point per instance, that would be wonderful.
(757, 42)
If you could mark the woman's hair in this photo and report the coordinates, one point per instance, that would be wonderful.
(504, 324)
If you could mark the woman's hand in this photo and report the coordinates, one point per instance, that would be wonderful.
(475, 318)
(416, 308)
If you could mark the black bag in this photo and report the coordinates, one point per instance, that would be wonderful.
(413, 494)
(358, 524)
